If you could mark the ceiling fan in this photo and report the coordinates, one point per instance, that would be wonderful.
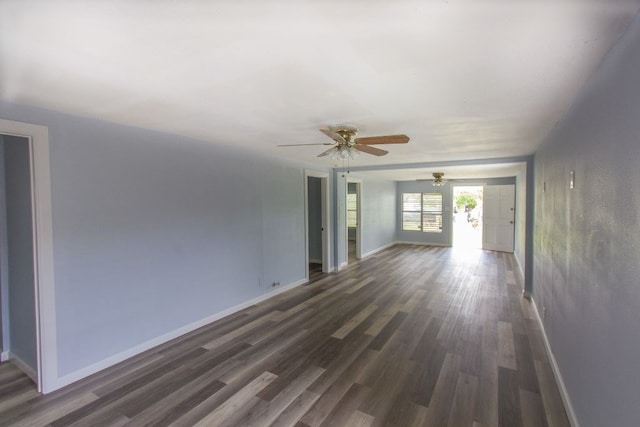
(438, 179)
(346, 146)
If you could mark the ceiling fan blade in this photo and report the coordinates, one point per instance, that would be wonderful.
(387, 139)
(333, 135)
(371, 150)
(302, 145)
(326, 152)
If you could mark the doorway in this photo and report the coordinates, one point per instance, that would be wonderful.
(354, 232)
(467, 216)
(17, 266)
(39, 193)
(316, 223)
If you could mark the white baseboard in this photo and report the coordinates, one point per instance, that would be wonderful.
(380, 249)
(403, 242)
(342, 266)
(124, 355)
(20, 364)
(573, 420)
(4, 356)
(367, 254)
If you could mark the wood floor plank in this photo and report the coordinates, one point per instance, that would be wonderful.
(486, 412)
(332, 395)
(173, 406)
(439, 406)
(506, 346)
(553, 406)
(267, 411)
(231, 405)
(292, 413)
(412, 335)
(508, 398)
(355, 321)
(360, 419)
(346, 406)
(464, 398)
(52, 414)
(532, 409)
(10, 401)
(386, 389)
(382, 320)
(238, 332)
(358, 285)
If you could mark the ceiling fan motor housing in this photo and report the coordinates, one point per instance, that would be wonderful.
(347, 133)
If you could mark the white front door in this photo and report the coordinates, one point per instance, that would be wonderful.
(498, 218)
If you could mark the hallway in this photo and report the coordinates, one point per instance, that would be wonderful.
(410, 336)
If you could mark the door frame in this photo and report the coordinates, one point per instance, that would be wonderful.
(358, 183)
(46, 346)
(324, 195)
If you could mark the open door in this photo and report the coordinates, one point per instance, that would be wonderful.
(498, 218)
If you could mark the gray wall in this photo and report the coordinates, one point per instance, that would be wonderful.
(314, 196)
(377, 214)
(153, 232)
(21, 291)
(587, 241)
(444, 238)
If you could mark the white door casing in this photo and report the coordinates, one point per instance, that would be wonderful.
(325, 196)
(38, 136)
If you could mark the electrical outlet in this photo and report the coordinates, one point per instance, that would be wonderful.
(275, 284)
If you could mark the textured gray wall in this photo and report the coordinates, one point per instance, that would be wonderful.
(153, 232)
(587, 241)
(22, 316)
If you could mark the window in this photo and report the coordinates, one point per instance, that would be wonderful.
(352, 210)
(422, 212)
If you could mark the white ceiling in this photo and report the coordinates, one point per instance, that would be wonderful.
(465, 79)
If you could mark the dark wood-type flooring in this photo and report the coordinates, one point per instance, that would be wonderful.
(412, 336)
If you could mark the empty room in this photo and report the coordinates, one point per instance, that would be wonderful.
(319, 214)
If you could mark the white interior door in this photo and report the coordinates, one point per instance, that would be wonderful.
(498, 217)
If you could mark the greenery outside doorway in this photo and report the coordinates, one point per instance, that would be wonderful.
(467, 216)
